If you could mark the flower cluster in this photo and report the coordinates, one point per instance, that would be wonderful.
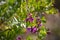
(38, 21)
(30, 19)
(36, 28)
(33, 30)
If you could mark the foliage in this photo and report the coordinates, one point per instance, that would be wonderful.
(14, 13)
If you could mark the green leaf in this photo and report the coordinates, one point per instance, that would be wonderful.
(29, 38)
(11, 2)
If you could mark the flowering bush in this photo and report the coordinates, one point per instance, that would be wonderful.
(20, 19)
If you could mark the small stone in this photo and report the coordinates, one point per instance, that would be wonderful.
(48, 32)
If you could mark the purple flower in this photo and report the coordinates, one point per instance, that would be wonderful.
(29, 29)
(39, 25)
(18, 38)
(38, 20)
(27, 19)
(34, 30)
(31, 19)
